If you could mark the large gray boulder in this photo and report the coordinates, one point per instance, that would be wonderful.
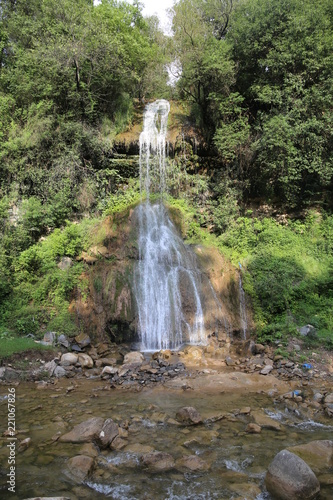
(290, 478)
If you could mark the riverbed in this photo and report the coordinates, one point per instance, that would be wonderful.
(233, 462)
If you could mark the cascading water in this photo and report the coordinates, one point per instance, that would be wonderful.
(167, 280)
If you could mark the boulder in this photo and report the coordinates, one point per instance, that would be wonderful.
(158, 461)
(88, 430)
(83, 340)
(65, 263)
(308, 331)
(85, 361)
(189, 416)
(290, 478)
(108, 433)
(68, 359)
(259, 348)
(59, 372)
(80, 467)
(9, 375)
(134, 357)
(62, 340)
(317, 454)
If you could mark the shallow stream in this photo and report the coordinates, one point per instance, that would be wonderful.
(237, 461)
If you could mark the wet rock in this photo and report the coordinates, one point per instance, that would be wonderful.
(68, 359)
(90, 450)
(85, 360)
(266, 422)
(24, 445)
(88, 430)
(108, 433)
(189, 416)
(139, 448)
(246, 491)
(158, 461)
(134, 357)
(81, 467)
(266, 370)
(253, 428)
(118, 443)
(290, 478)
(317, 454)
(191, 463)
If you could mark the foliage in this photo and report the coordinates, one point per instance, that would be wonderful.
(11, 346)
(123, 199)
(287, 271)
(284, 54)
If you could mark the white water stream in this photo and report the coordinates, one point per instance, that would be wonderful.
(167, 280)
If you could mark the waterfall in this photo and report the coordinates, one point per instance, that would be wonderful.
(167, 280)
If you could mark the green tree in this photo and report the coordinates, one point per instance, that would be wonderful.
(283, 50)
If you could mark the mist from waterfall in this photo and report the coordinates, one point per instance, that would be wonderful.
(167, 280)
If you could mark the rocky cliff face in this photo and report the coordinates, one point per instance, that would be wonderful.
(106, 306)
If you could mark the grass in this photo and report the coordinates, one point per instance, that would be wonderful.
(11, 346)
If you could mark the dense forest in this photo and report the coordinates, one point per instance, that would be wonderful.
(255, 79)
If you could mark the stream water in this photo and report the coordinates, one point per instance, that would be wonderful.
(237, 461)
